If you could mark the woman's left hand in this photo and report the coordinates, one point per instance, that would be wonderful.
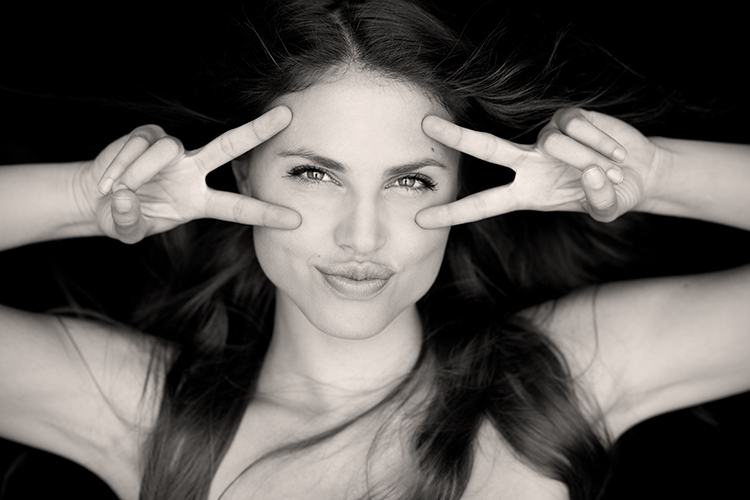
(583, 161)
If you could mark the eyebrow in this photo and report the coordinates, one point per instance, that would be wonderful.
(336, 166)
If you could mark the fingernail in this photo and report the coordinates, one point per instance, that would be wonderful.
(105, 186)
(123, 205)
(620, 154)
(615, 175)
(594, 178)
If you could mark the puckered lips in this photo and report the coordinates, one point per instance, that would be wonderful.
(356, 280)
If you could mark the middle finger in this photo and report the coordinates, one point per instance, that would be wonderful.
(240, 140)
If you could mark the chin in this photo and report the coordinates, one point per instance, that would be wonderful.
(355, 324)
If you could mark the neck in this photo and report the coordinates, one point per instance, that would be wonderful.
(308, 370)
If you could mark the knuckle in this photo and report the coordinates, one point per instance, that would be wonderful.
(605, 145)
(199, 162)
(490, 146)
(266, 218)
(124, 223)
(238, 209)
(565, 114)
(454, 137)
(171, 145)
(605, 206)
(447, 216)
(149, 133)
(227, 146)
(140, 137)
(479, 206)
(549, 141)
(573, 124)
(155, 130)
(257, 128)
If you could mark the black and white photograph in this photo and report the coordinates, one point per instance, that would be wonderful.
(374, 250)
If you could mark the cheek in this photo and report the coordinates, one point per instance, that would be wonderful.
(276, 254)
(421, 254)
(284, 255)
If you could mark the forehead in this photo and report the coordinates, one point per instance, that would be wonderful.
(362, 118)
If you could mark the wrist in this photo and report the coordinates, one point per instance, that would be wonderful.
(659, 184)
(78, 199)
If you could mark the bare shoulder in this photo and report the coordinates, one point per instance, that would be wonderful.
(499, 474)
(125, 365)
(573, 325)
(82, 389)
(644, 347)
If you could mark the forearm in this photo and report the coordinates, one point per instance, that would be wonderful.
(40, 203)
(703, 180)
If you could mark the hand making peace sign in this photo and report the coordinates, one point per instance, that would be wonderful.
(582, 161)
(146, 183)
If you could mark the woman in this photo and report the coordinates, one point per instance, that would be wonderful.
(469, 401)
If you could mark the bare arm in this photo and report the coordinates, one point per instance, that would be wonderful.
(42, 202)
(677, 342)
(588, 161)
(77, 389)
(702, 180)
(646, 347)
(141, 184)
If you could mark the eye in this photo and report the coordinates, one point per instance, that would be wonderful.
(308, 174)
(415, 183)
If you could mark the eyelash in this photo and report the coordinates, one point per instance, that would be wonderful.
(298, 174)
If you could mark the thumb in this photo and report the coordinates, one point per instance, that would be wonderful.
(601, 198)
(130, 226)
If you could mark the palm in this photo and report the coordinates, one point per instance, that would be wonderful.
(544, 184)
(171, 197)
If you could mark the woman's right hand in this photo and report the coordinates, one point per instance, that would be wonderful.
(146, 183)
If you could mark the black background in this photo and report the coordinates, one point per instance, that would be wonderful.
(67, 72)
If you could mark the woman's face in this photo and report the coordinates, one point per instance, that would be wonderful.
(356, 165)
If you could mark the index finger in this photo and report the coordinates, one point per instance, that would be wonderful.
(480, 145)
(477, 206)
(240, 140)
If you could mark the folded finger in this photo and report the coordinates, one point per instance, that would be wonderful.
(137, 143)
(574, 123)
(240, 140)
(601, 198)
(165, 151)
(557, 145)
(242, 209)
(481, 145)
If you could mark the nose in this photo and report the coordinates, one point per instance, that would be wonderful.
(360, 229)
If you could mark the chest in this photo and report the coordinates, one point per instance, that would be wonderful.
(348, 466)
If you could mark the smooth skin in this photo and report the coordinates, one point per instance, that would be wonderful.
(652, 353)
(574, 166)
(171, 183)
(142, 184)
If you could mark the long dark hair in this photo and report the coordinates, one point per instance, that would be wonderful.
(480, 362)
